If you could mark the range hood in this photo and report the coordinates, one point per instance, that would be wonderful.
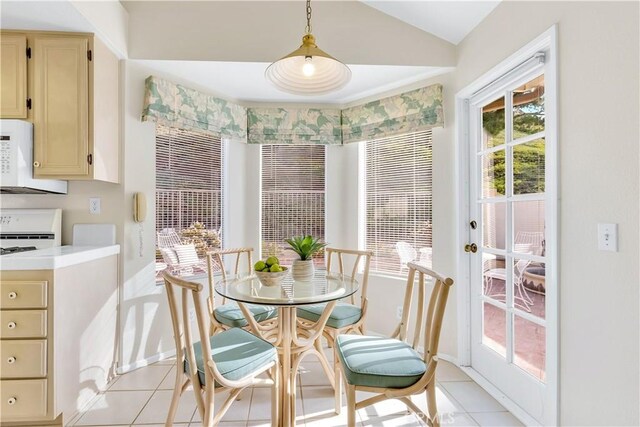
(16, 162)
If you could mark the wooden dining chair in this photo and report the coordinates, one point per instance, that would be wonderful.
(392, 367)
(229, 361)
(346, 317)
(229, 315)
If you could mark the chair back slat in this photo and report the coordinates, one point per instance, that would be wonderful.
(435, 311)
(215, 263)
(420, 313)
(401, 330)
(190, 353)
(356, 257)
(181, 323)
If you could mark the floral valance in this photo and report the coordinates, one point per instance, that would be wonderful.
(174, 105)
(412, 111)
(294, 126)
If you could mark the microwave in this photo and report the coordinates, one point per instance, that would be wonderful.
(16, 162)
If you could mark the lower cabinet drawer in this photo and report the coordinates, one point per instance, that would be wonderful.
(23, 399)
(23, 294)
(23, 324)
(23, 358)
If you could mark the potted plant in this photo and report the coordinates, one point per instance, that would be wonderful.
(305, 247)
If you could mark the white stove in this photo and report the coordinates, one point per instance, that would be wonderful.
(24, 230)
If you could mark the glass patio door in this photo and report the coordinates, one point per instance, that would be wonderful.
(508, 263)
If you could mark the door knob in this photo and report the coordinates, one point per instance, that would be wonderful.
(12, 400)
(473, 248)
(13, 295)
(11, 325)
(11, 360)
(36, 164)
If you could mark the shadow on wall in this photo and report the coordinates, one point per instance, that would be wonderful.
(146, 333)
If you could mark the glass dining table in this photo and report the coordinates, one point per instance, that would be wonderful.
(293, 339)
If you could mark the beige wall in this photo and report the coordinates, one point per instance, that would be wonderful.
(598, 158)
(252, 31)
(75, 205)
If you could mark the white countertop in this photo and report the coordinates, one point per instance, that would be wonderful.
(58, 257)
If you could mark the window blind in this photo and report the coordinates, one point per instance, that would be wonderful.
(293, 197)
(188, 179)
(398, 197)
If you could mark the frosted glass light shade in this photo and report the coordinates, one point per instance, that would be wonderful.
(293, 73)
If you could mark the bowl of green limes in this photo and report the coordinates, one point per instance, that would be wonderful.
(270, 272)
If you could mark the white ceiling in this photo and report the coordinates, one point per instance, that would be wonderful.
(42, 15)
(245, 81)
(450, 20)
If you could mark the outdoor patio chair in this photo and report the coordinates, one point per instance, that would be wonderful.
(407, 253)
(520, 296)
(180, 259)
(229, 361)
(392, 367)
(533, 238)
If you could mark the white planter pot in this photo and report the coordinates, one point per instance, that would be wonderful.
(302, 270)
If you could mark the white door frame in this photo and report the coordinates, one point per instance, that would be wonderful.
(546, 41)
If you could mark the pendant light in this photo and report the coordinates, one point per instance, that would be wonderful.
(308, 70)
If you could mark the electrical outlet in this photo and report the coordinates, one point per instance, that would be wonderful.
(399, 312)
(94, 205)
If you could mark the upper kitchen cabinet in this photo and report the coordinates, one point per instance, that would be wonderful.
(13, 69)
(60, 106)
(73, 85)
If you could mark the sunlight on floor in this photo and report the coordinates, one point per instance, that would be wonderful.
(142, 397)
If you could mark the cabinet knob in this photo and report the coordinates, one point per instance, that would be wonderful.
(12, 401)
(13, 295)
(11, 325)
(36, 164)
(11, 360)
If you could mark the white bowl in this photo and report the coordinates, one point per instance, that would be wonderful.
(268, 278)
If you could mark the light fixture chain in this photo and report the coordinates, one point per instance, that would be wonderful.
(308, 28)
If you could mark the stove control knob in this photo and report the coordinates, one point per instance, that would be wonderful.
(13, 295)
(11, 325)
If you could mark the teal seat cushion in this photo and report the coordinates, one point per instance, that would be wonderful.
(236, 353)
(379, 362)
(343, 314)
(231, 315)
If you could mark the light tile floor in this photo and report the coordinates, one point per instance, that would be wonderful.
(141, 398)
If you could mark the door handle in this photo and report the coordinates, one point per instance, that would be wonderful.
(473, 248)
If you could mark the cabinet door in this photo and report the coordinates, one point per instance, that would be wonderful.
(61, 106)
(13, 72)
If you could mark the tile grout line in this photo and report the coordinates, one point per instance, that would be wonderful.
(152, 394)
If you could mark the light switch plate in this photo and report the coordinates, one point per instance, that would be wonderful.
(94, 205)
(608, 237)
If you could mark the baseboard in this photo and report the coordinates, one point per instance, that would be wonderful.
(144, 362)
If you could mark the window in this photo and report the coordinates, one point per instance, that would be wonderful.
(398, 199)
(188, 179)
(293, 195)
